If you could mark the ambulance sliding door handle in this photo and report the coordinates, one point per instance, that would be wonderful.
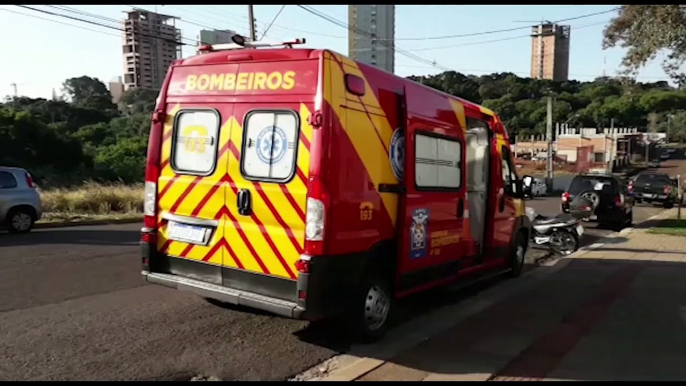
(244, 202)
(501, 204)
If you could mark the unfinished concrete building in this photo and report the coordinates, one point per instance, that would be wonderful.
(550, 51)
(151, 42)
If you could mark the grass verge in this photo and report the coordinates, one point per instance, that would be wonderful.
(670, 226)
(92, 202)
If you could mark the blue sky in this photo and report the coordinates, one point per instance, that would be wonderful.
(40, 54)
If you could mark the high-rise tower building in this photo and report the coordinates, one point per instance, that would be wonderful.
(377, 22)
(151, 44)
(550, 51)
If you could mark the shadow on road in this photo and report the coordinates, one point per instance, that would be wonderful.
(72, 236)
(600, 303)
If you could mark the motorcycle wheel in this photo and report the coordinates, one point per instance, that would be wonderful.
(564, 243)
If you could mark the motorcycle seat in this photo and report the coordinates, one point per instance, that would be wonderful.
(542, 220)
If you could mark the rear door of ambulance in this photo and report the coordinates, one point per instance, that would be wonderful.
(256, 193)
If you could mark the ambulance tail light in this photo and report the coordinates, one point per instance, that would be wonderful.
(315, 217)
(150, 204)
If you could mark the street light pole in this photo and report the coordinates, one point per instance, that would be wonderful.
(549, 139)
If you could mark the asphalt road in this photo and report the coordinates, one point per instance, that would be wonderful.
(73, 307)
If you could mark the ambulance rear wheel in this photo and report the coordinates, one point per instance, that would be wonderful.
(372, 308)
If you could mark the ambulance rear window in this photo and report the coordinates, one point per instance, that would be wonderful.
(270, 145)
(194, 148)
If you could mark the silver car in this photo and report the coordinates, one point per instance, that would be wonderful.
(20, 205)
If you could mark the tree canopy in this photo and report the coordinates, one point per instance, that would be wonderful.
(521, 102)
(645, 31)
(86, 137)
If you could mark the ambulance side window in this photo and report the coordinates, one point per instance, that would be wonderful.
(438, 162)
(194, 146)
(270, 142)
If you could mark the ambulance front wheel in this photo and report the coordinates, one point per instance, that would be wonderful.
(372, 308)
(518, 254)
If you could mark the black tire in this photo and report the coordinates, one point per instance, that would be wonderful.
(630, 219)
(618, 226)
(517, 262)
(20, 220)
(576, 244)
(370, 325)
(668, 204)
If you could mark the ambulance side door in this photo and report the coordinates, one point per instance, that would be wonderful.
(433, 206)
(504, 193)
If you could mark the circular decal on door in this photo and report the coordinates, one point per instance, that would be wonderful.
(397, 153)
(271, 144)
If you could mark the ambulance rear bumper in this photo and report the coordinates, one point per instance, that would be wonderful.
(226, 294)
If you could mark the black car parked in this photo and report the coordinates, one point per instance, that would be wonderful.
(612, 202)
(655, 187)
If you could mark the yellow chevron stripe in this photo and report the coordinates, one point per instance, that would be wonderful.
(305, 127)
(360, 130)
(262, 212)
(458, 108)
(486, 111)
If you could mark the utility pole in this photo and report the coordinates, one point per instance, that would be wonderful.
(612, 145)
(14, 86)
(251, 16)
(549, 139)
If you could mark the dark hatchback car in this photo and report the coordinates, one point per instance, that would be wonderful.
(612, 202)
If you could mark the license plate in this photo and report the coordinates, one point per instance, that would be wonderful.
(648, 195)
(187, 233)
(579, 229)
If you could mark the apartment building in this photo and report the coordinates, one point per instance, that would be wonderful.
(151, 42)
(375, 45)
(550, 51)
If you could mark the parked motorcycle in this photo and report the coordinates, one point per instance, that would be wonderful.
(560, 233)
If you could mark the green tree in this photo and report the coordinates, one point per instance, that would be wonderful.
(90, 93)
(139, 100)
(124, 161)
(646, 30)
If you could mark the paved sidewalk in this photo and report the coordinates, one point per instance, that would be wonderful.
(614, 313)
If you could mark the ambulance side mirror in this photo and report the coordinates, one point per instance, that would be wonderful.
(527, 187)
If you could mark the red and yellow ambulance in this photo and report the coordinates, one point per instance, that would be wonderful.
(304, 183)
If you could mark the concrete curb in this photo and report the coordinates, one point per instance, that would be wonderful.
(362, 360)
(65, 224)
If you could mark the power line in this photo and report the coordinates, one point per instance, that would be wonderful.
(506, 30)
(100, 24)
(272, 23)
(390, 45)
(59, 22)
(498, 40)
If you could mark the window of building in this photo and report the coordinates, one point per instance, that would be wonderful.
(438, 162)
(270, 145)
(194, 147)
(598, 157)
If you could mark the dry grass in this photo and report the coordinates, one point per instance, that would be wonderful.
(93, 199)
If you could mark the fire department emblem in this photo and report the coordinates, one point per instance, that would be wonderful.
(420, 219)
(271, 145)
(396, 153)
